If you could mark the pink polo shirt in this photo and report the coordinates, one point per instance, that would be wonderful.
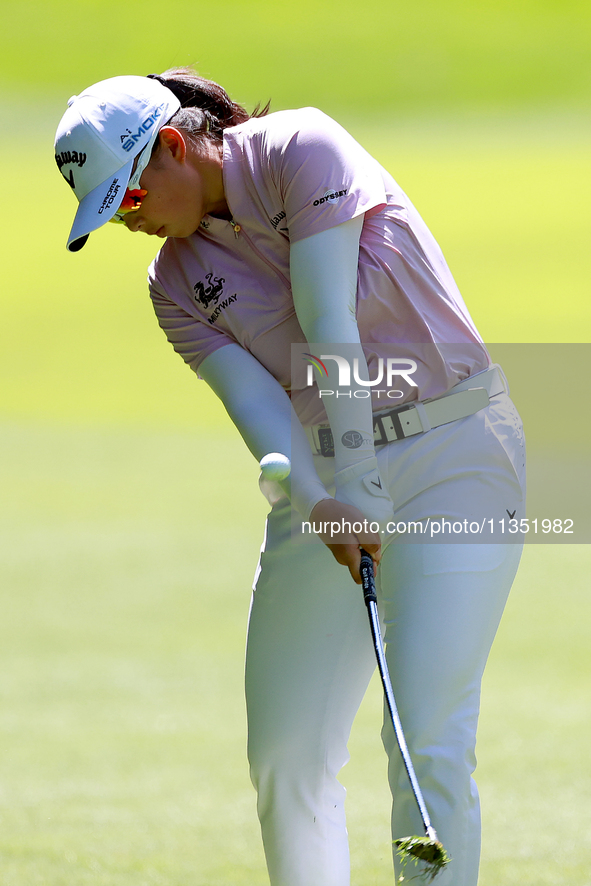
(287, 176)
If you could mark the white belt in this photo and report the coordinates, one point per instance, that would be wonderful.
(465, 398)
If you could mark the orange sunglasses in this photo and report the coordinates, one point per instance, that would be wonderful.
(131, 202)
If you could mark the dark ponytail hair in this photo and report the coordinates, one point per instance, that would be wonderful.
(206, 108)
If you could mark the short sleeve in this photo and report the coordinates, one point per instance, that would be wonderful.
(323, 175)
(189, 336)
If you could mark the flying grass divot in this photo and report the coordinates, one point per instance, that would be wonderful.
(431, 852)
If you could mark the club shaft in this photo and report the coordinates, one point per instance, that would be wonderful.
(369, 594)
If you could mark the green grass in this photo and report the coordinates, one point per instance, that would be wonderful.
(122, 737)
(506, 198)
(338, 55)
(535, 776)
(126, 564)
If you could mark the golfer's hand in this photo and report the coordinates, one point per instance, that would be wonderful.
(345, 544)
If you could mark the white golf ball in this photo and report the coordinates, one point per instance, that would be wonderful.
(275, 466)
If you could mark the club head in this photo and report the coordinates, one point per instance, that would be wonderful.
(431, 852)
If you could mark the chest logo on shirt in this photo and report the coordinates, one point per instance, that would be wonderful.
(206, 293)
(210, 294)
(330, 196)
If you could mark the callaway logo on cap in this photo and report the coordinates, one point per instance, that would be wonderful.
(98, 139)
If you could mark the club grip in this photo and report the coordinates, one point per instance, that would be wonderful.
(367, 578)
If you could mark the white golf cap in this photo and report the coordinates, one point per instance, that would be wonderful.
(103, 131)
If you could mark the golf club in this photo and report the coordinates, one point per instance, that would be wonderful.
(428, 848)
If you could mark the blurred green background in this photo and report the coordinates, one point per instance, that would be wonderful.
(129, 512)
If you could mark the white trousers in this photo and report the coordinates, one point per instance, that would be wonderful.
(310, 656)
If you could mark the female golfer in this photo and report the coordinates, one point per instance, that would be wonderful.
(299, 281)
